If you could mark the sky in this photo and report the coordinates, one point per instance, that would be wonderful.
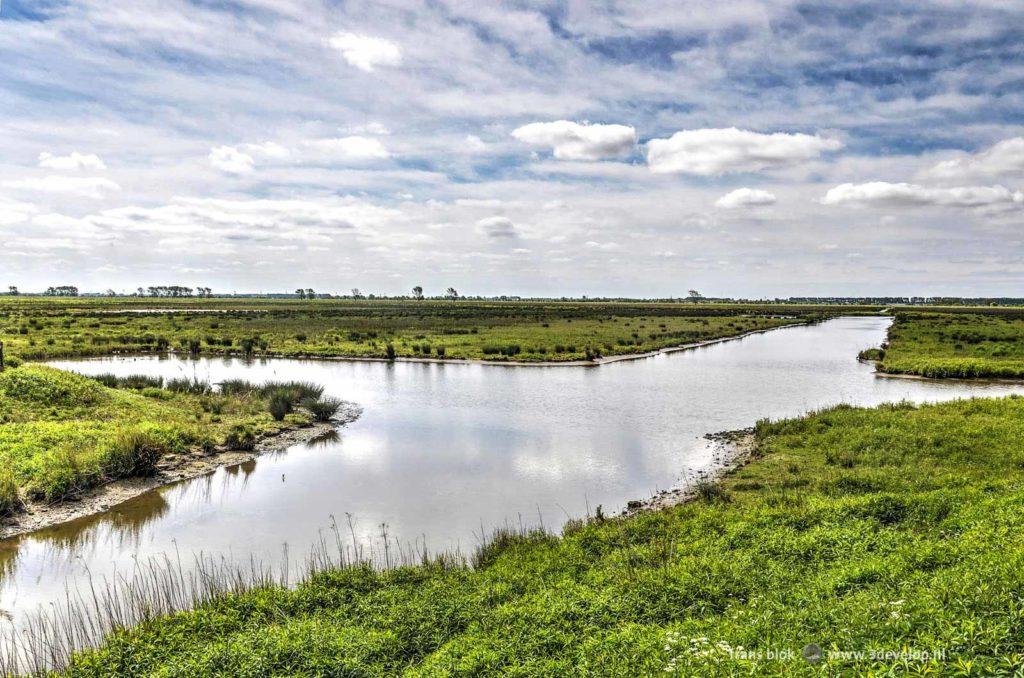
(751, 148)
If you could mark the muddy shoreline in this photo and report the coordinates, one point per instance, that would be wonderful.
(732, 450)
(171, 469)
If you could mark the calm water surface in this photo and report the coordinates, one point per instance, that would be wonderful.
(442, 450)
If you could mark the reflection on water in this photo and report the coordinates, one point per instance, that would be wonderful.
(443, 449)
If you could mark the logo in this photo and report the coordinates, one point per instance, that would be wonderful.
(812, 653)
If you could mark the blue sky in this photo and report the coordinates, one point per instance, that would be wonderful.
(751, 148)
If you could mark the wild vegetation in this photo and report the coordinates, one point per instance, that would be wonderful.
(955, 345)
(44, 328)
(62, 433)
(895, 529)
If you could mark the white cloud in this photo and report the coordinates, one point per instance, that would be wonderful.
(575, 141)
(745, 197)
(87, 187)
(497, 227)
(231, 160)
(709, 152)
(885, 194)
(12, 212)
(474, 144)
(268, 149)
(349, 148)
(1004, 159)
(366, 52)
(74, 161)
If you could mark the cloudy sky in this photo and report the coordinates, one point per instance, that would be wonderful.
(743, 148)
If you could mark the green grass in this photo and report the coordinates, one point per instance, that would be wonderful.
(956, 345)
(61, 433)
(895, 528)
(40, 328)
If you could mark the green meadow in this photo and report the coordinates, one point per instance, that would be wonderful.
(45, 328)
(956, 345)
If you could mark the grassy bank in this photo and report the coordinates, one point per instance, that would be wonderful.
(41, 328)
(891, 529)
(62, 433)
(965, 346)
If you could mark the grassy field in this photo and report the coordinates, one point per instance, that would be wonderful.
(61, 433)
(961, 345)
(896, 529)
(41, 328)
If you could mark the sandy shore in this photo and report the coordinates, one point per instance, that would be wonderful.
(171, 469)
(732, 450)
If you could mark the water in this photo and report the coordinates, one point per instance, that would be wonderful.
(443, 450)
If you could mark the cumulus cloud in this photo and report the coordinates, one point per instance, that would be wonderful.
(73, 161)
(885, 194)
(711, 152)
(745, 197)
(579, 141)
(497, 227)
(349, 148)
(1004, 159)
(366, 52)
(231, 160)
(87, 187)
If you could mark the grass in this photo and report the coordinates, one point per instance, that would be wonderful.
(896, 528)
(41, 328)
(62, 433)
(948, 345)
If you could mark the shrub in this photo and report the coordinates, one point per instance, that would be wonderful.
(389, 351)
(322, 409)
(280, 405)
(241, 437)
(10, 498)
(185, 385)
(237, 387)
(294, 391)
(133, 453)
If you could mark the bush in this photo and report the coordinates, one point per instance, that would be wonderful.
(295, 391)
(237, 387)
(133, 453)
(241, 437)
(185, 385)
(280, 405)
(322, 409)
(10, 498)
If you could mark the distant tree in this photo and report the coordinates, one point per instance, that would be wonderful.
(13, 290)
(301, 293)
(356, 294)
(140, 292)
(310, 294)
(111, 293)
(451, 293)
(694, 294)
(417, 292)
(62, 291)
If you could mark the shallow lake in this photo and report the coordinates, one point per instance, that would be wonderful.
(443, 451)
